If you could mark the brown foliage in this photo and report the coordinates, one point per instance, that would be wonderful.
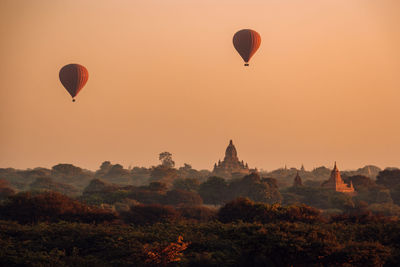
(150, 214)
(179, 197)
(160, 255)
(246, 210)
(198, 213)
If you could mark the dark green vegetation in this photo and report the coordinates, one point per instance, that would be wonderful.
(162, 215)
(241, 233)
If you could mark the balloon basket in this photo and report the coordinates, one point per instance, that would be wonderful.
(246, 64)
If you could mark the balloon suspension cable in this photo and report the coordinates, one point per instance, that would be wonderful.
(73, 99)
(246, 64)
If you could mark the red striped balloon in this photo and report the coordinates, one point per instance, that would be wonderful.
(246, 42)
(73, 77)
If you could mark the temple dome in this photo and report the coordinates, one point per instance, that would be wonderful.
(231, 153)
(231, 164)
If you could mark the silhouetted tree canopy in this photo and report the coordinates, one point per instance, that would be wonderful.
(179, 197)
(149, 214)
(252, 187)
(50, 207)
(5, 189)
(389, 178)
(198, 213)
(188, 184)
(214, 190)
(360, 182)
(163, 174)
(243, 209)
(66, 169)
(166, 160)
(48, 184)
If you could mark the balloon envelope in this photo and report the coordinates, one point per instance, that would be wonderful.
(246, 42)
(73, 77)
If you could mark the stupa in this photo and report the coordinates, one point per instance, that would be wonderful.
(336, 182)
(231, 166)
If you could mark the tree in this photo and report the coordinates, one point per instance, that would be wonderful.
(179, 197)
(166, 160)
(341, 201)
(47, 183)
(359, 254)
(214, 190)
(163, 174)
(157, 186)
(160, 255)
(150, 214)
(51, 207)
(257, 189)
(66, 169)
(186, 167)
(104, 168)
(114, 173)
(395, 192)
(99, 186)
(5, 189)
(384, 196)
(140, 175)
(238, 209)
(118, 170)
(69, 173)
(188, 184)
(198, 213)
(360, 182)
(389, 178)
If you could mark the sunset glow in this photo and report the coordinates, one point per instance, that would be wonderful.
(164, 76)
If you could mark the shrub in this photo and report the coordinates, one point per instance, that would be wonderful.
(149, 214)
(50, 207)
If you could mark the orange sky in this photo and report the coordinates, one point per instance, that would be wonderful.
(164, 76)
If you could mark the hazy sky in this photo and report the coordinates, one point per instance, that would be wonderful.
(164, 76)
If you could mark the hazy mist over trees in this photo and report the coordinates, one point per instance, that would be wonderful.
(203, 212)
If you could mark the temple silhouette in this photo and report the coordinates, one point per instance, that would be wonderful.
(231, 166)
(336, 182)
(297, 180)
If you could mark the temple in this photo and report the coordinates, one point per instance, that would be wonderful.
(297, 180)
(231, 167)
(336, 182)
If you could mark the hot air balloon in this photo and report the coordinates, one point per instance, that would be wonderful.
(73, 77)
(246, 42)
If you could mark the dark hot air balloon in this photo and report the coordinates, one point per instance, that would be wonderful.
(73, 77)
(246, 42)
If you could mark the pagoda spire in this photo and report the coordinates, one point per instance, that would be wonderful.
(297, 180)
(302, 168)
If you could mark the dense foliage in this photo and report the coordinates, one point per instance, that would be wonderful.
(50, 207)
(167, 216)
(209, 244)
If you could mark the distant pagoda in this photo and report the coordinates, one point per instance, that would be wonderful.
(336, 182)
(231, 166)
(297, 181)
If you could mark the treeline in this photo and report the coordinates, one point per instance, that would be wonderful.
(115, 187)
(317, 175)
(167, 216)
(27, 208)
(381, 196)
(72, 180)
(188, 191)
(52, 229)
